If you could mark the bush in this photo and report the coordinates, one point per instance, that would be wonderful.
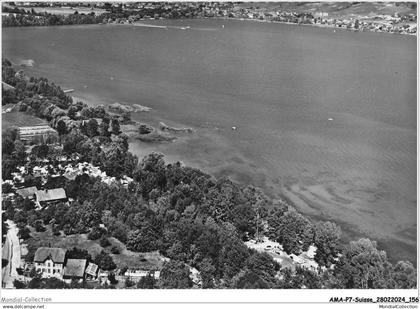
(77, 253)
(104, 242)
(33, 273)
(111, 278)
(129, 283)
(24, 233)
(7, 188)
(56, 230)
(115, 250)
(105, 261)
(54, 283)
(35, 283)
(29, 258)
(39, 227)
(19, 284)
(175, 275)
(147, 282)
(96, 233)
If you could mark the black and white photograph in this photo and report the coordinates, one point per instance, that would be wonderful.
(210, 146)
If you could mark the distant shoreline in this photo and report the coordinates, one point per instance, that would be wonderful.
(142, 24)
(326, 26)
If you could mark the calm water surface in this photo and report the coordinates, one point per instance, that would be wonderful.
(325, 119)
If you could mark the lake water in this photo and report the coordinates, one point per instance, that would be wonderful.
(326, 119)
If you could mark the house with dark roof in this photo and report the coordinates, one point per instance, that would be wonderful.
(74, 269)
(50, 261)
(45, 197)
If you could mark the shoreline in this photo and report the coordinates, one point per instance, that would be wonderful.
(156, 134)
(306, 206)
(141, 24)
(325, 26)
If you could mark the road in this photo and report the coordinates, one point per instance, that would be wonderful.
(11, 252)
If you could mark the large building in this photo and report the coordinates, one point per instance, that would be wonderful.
(45, 197)
(50, 261)
(34, 133)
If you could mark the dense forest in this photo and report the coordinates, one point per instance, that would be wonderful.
(187, 215)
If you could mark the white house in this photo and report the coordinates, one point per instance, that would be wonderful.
(50, 261)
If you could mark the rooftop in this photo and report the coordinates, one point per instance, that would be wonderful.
(55, 254)
(92, 269)
(50, 195)
(35, 130)
(27, 192)
(75, 268)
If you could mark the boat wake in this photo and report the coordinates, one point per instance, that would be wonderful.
(173, 27)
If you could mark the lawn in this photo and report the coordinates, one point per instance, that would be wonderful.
(133, 260)
(16, 119)
(137, 260)
(68, 10)
(47, 239)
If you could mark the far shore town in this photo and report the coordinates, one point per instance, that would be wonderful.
(358, 17)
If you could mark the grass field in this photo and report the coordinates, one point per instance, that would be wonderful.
(17, 119)
(68, 10)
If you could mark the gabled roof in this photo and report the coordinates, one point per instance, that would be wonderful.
(26, 192)
(75, 268)
(57, 255)
(39, 129)
(50, 195)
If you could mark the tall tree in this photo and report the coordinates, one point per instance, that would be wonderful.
(105, 261)
(61, 127)
(175, 275)
(115, 126)
(327, 239)
(104, 127)
(19, 152)
(92, 127)
(405, 275)
(363, 266)
(293, 231)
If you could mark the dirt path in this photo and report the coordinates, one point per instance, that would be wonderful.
(11, 252)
